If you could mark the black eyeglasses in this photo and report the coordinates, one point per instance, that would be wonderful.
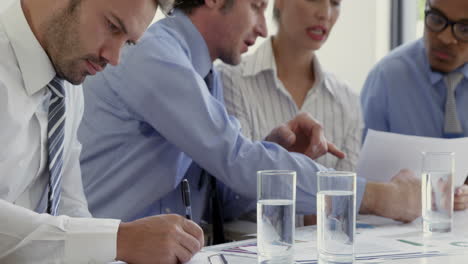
(437, 22)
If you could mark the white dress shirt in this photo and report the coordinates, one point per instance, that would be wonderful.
(25, 236)
(254, 94)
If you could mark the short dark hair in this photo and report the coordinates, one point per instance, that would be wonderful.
(187, 6)
(165, 5)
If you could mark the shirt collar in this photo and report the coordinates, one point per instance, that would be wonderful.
(320, 76)
(436, 77)
(195, 44)
(263, 59)
(463, 70)
(35, 65)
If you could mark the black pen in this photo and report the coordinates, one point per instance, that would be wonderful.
(185, 188)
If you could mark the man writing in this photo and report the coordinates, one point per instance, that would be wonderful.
(47, 47)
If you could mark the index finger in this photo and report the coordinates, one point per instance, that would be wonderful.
(462, 190)
(194, 230)
(334, 150)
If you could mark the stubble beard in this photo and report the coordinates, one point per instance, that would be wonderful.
(231, 58)
(62, 38)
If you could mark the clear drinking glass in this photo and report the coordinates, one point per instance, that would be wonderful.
(276, 199)
(336, 216)
(437, 191)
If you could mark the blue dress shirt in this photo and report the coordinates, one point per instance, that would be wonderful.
(147, 119)
(403, 95)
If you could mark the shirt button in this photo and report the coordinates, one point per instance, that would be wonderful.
(237, 197)
(168, 210)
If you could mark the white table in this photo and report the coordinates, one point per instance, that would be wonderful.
(379, 233)
(459, 259)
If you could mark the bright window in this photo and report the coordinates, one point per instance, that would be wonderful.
(420, 22)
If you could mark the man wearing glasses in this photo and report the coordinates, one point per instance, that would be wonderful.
(422, 88)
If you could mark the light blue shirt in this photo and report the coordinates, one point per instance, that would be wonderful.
(403, 95)
(146, 120)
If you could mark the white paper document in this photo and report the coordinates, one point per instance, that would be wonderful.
(384, 154)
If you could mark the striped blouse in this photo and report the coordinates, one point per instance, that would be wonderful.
(254, 94)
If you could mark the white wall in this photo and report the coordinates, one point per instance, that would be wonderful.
(360, 38)
(410, 21)
(5, 3)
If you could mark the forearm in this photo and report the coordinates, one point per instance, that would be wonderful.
(122, 243)
(27, 237)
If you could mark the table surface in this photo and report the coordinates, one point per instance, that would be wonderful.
(410, 237)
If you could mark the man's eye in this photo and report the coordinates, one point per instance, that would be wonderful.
(112, 27)
(256, 7)
(336, 3)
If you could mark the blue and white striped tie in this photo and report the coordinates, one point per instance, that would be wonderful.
(55, 135)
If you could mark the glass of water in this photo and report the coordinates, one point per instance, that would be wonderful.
(336, 216)
(437, 191)
(276, 198)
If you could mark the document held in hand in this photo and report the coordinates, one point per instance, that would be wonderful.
(384, 154)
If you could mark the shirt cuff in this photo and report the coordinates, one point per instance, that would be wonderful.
(360, 190)
(91, 240)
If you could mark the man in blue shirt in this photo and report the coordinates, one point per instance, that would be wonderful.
(154, 120)
(408, 91)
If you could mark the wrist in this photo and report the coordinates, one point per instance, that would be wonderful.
(121, 241)
(372, 198)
